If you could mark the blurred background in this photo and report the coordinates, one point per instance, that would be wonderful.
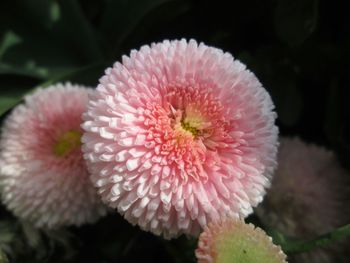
(299, 49)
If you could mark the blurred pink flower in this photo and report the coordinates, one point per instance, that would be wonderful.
(44, 179)
(178, 135)
(235, 241)
(307, 197)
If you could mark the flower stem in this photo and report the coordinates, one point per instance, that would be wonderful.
(294, 247)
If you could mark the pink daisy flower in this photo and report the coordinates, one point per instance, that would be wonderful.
(178, 135)
(307, 197)
(43, 176)
(229, 241)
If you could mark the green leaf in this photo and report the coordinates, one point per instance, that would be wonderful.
(17, 87)
(7, 234)
(7, 238)
(3, 258)
(52, 37)
(6, 103)
(30, 69)
(10, 39)
(295, 20)
(13, 89)
(293, 246)
(31, 234)
(55, 12)
(78, 30)
(162, 14)
(88, 75)
(122, 17)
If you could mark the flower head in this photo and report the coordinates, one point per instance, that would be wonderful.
(307, 196)
(235, 241)
(178, 135)
(43, 176)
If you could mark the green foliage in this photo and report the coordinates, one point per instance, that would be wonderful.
(3, 257)
(294, 246)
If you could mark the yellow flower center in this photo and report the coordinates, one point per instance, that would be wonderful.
(187, 127)
(191, 120)
(67, 142)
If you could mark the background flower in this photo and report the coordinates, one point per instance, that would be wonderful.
(43, 176)
(235, 241)
(179, 135)
(307, 197)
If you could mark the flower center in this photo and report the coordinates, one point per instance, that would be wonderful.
(187, 127)
(67, 142)
(185, 130)
(190, 121)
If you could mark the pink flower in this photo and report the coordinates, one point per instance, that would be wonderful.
(178, 135)
(234, 241)
(307, 197)
(43, 176)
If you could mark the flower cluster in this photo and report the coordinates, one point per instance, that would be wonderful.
(175, 137)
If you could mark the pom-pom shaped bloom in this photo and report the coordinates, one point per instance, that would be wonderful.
(307, 197)
(44, 179)
(233, 240)
(178, 135)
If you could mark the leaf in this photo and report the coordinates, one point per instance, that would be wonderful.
(7, 237)
(78, 30)
(295, 20)
(293, 246)
(122, 17)
(9, 39)
(6, 103)
(160, 15)
(31, 234)
(3, 258)
(13, 89)
(52, 37)
(7, 234)
(88, 75)
(17, 87)
(62, 242)
(30, 69)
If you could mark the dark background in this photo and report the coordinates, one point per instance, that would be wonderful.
(299, 49)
